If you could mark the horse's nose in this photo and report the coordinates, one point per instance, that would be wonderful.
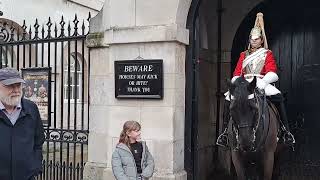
(247, 148)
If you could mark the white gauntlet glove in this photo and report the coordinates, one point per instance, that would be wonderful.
(261, 84)
(270, 77)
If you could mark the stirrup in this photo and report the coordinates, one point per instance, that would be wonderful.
(288, 139)
(288, 136)
(222, 139)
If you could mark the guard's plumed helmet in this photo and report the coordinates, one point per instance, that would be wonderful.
(258, 30)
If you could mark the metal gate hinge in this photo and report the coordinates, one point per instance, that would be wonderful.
(195, 61)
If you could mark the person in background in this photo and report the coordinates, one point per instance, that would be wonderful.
(21, 130)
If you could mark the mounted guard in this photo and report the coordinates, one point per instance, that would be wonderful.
(258, 61)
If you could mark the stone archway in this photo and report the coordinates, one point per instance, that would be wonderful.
(10, 31)
(201, 71)
(184, 7)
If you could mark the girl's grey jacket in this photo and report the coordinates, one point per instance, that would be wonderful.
(124, 166)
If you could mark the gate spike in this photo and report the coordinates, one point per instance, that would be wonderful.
(30, 32)
(49, 24)
(69, 28)
(62, 20)
(36, 30)
(42, 31)
(62, 23)
(24, 27)
(75, 21)
(55, 30)
(89, 17)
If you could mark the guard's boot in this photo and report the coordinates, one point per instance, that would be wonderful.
(287, 136)
(222, 140)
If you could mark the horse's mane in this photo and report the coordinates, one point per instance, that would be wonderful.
(239, 90)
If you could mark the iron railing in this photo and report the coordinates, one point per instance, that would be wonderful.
(62, 48)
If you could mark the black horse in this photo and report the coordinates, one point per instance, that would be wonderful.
(253, 131)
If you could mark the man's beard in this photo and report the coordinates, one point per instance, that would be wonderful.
(10, 100)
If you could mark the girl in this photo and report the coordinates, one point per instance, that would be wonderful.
(131, 160)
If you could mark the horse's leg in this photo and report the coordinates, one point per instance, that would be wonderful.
(268, 161)
(236, 160)
(270, 147)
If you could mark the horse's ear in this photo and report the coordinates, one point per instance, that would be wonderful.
(229, 83)
(252, 85)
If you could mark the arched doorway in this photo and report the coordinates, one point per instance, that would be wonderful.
(212, 25)
(294, 37)
(203, 91)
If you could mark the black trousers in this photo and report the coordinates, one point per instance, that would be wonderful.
(278, 101)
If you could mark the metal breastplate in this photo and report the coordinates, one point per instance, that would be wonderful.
(255, 66)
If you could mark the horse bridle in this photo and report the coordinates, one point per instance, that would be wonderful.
(261, 116)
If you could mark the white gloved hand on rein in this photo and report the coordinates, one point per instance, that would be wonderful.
(261, 84)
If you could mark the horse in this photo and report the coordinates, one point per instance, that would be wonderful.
(253, 131)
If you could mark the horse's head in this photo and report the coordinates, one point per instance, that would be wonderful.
(244, 113)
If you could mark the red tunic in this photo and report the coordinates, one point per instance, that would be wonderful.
(269, 64)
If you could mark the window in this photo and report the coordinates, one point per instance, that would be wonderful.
(73, 80)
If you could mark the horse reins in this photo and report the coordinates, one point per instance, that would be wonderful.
(261, 115)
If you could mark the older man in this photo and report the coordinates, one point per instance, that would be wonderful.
(21, 130)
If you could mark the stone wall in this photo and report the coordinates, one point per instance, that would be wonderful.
(148, 29)
(154, 29)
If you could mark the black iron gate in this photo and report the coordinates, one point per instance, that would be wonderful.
(60, 46)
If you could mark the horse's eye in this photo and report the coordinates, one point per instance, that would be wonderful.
(253, 105)
(231, 107)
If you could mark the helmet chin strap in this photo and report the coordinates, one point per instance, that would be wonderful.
(253, 49)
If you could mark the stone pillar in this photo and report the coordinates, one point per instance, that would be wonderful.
(124, 30)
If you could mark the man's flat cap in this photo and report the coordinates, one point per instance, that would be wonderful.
(10, 76)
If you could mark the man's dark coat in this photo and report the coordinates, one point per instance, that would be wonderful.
(21, 144)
